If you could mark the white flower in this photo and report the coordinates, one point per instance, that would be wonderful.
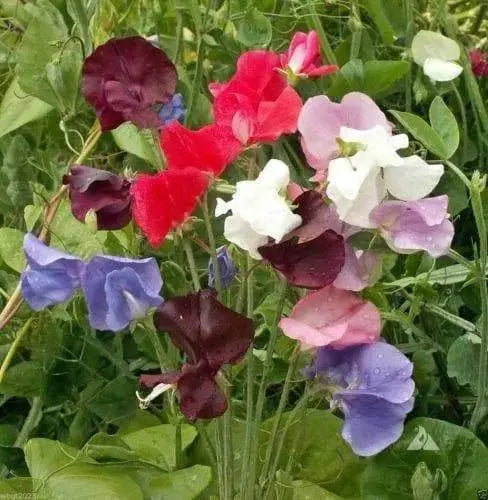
(359, 183)
(436, 54)
(259, 210)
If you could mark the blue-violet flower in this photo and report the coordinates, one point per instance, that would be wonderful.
(227, 268)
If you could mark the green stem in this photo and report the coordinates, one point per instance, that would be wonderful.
(480, 16)
(408, 8)
(462, 176)
(191, 263)
(462, 110)
(160, 353)
(178, 445)
(267, 365)
(30, 422)
(159, 151)
(227, 436)
(480, 408)
(356, 28)
(324, 41)
(13, 348)
(211, 244)
(250, 373)
(285, 392)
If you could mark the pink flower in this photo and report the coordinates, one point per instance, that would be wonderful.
(320, 122)
(303, 56)
(257, 104)
(479, 64)
(332, 317)
(410, 226)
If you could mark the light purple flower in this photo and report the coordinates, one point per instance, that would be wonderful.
(51, 277)
(409, 226)
(118, 290)
(227, 268)
(173, 110)
(373, 386)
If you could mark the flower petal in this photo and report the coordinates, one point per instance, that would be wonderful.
(240, 232)
(441, 71)
(430, 44)
(165, 200)
(415, 179)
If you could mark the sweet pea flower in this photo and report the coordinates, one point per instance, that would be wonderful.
(107, 194)
(126, 79)
(119, 290)
(227, 268)
(256, 104)
(211, 335)
(332, 317)
(51, 277)
(479, 63)
(172, 111)
(259, 210)
(372, 384)
(436, 54)
(164, 201)
(415, 225)
(302, 59)
(320, 124)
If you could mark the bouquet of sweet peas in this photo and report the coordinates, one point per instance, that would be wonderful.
(364, 183)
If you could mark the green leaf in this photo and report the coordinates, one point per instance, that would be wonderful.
(455, 451)
(422, 131)
(137, 142)
(157, 444)
(185, 483)
(350, 77)
(254, 29)
(81, 12)
(68, 234)
(377, 13)
(31, 216)
(444, 123)
(17, 487)
(103, 446)
(381, 76)
(116, 400)
(455, 189)
(463, 359)
(304, 490)
(48, 68)
(322, 456)
(18, 108)
(11, 252)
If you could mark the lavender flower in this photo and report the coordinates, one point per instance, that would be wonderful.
(409, 226)
(51, 277)
(173, 110)
(372, 385)
(119, 290)
(227, 268)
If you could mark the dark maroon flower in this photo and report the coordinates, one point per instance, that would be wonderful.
(211, 335)
(312, 255)
(107, 194)
(128, 79)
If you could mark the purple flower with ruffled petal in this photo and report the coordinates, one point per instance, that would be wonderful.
(409, 226)
(118, 290)
(51, 276)
(172, 111)
(227, 268)
(373, 386)
(107, 194)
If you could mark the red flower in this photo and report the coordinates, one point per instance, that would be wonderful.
(211, 335)
(479, 64)
(257, 104)
(107, 194)
(312, 255)
(126, 79)
(210, 148)
(161, 202)
(303, 56)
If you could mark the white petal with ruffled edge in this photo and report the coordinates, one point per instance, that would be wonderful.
(441, 71)
(238, 231)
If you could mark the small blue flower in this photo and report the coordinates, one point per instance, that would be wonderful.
(227, 268)
(373, 386)
(51, 277)
(118, 290)
(173, 110)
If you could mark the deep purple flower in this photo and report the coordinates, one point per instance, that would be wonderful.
(173, 110)
(107, 194)
(211, 335)
(373, 386)
(227, 268)
(409, 226)
(51, 277)
(128, 79)
(118, 290)
(312, 255)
